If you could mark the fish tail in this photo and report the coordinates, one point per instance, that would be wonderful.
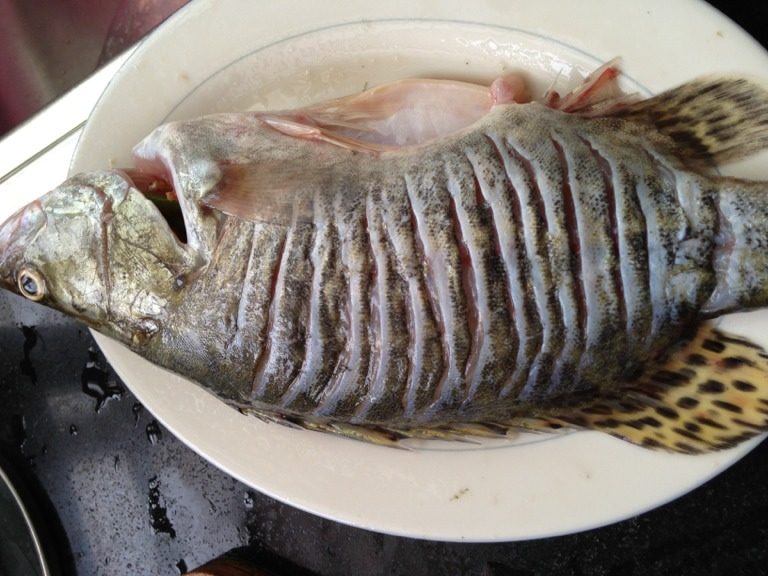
(710, 393)
(741, 247)
(710, 121)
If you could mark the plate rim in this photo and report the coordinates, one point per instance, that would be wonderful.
(742, 450)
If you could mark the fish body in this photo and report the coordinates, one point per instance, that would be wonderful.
(537, 267)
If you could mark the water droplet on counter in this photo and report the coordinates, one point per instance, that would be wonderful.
(116, 463)
(19, 430)
(73, 430)
(181, 566)
(158, 514)
(96, 384)
(154, 434)
(30, 341)
(44, 450)
(136, 409)
(248, 500)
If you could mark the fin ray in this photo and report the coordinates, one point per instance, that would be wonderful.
(271, 192)
(711, 393)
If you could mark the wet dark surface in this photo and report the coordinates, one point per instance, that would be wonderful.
(117, 494)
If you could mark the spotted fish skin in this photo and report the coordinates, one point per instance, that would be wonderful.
(536, 265)
(538, 257)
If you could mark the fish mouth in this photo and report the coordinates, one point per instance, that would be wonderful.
(158, 190)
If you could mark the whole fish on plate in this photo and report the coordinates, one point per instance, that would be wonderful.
(434, 259)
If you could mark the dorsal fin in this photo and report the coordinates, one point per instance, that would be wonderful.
(392, 116)
(598, 95)
(711, 120)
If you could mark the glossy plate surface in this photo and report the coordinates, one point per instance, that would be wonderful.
(21, 551)
(235, 55)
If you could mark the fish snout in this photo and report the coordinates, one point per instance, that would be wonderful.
(16, 234)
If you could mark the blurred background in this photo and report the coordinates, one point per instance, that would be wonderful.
(48, 46)
(116, 494)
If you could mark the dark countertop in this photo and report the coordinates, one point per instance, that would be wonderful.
(122, 496)
(119, 495)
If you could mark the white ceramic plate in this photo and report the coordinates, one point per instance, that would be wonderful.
(231, 55)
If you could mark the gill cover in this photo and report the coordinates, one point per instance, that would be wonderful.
(95, 249)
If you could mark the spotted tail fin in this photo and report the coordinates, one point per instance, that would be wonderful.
(711, 120)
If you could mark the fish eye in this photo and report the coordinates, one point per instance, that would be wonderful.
(31, 284)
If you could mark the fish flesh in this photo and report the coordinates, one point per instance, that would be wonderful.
(434, 259)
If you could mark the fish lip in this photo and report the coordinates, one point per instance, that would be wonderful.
(156, 186)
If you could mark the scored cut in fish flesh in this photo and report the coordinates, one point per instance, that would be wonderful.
(434, 259)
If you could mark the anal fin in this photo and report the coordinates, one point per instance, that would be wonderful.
(710, 393)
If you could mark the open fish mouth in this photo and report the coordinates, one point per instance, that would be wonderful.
(158, 190)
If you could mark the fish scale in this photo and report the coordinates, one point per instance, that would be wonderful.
(535, 238)
(434, 229)
(391, 393)
(604, 319)
(348, 384)
(633, 259)
(652, 189)
(252, 330)
(325, 332)
(386, 301)
(561, 293)
(280, 362)
(508, 227)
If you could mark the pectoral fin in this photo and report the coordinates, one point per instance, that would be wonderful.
(269, 192)
(304, 127)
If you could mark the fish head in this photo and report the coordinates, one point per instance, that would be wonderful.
(96, 249)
